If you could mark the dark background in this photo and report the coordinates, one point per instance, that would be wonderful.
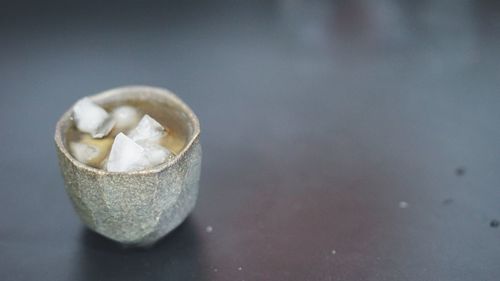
(318, 119)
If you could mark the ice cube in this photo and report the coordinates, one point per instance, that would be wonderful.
(91, 118)
(125, 117)
(140, 149)
(155, 153)
(148, 129)
(101, 145)
(126, 155)
(83, 152)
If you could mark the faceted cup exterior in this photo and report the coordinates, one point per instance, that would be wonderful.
(134, 208)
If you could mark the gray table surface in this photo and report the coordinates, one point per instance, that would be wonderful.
(319, 120)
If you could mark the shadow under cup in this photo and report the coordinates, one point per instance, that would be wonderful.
(140, 207)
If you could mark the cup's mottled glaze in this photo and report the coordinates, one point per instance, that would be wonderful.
(135, 208)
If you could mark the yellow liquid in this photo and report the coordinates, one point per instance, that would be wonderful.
(174, 140)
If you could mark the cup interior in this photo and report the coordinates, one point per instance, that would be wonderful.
(161, 104)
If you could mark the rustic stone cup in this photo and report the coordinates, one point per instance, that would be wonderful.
(135, 208)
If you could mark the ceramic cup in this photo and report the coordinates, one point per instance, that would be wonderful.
(135, 208)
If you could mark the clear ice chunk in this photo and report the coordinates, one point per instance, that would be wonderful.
(140, 149)
(103, 145)
(126, 117)
(91, 118)
(155, 153)
(83, 152)
(148, 130)
(126, 155)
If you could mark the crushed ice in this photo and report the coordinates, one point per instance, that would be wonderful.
(143, 146)
(145, 135)
(138, 150)
(126, 155)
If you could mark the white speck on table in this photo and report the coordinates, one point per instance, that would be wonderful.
(403, 204)
(209, 229)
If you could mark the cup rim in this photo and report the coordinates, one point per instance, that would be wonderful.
(131, 90)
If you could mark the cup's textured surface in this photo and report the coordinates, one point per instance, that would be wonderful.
(135, 208)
